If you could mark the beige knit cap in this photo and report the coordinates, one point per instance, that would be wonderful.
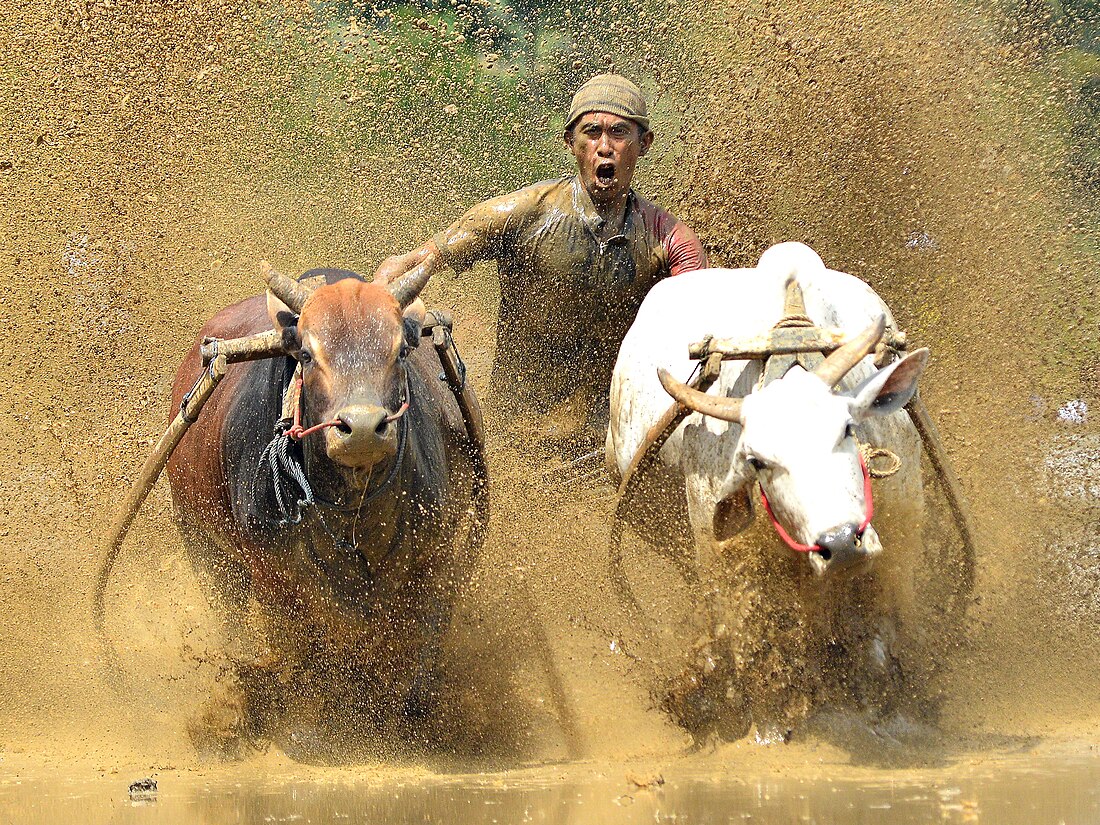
(609, 93)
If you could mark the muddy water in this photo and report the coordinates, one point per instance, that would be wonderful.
(157, 151)
(1032, 790)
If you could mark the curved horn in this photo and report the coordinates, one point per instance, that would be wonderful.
(292, 293)
(727, 409)
(408, 288)
(833, 369)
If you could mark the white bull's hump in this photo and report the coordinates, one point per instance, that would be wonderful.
(790, 257)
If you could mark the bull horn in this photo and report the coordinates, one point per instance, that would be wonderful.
(408, 289)
(292, 293)
(833, 369)
(727, 409)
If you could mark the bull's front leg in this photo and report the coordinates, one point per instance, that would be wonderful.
(708, 697)
(869, 696)
(237, 717)
(854, 640)
(433, 606)
(875, 618)
(896, 614)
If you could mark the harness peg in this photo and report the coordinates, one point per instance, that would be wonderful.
(712, 367)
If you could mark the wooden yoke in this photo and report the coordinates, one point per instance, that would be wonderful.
(794, 334)
(267, 344)
(438, 324)
(216, 357)
(794, 339)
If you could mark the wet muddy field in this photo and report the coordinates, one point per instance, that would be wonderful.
(736, 786)
(157, 151)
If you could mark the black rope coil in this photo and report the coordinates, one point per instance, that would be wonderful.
(286, 473)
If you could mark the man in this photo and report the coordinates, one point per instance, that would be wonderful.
(575, 257)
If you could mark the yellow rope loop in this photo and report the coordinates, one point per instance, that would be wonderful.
(870, 453)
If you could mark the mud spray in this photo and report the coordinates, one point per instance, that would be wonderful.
(155, 152)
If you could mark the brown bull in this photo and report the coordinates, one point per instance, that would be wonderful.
(333, 551)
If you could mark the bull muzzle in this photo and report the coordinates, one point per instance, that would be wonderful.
(364, 436)
(844, 550)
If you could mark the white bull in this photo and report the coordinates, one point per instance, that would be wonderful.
(796, 436)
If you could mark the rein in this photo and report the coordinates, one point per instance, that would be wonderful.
(402, 438)
(809, 548)
(298, 432)
(288, 467)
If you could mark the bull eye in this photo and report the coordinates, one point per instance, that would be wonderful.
(850, 430)
(305, 356)
(756, 463)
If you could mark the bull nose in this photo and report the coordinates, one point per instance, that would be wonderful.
(363, 437)
(843, 550)
(363, 421)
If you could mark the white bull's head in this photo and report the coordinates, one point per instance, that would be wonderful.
(798, 440)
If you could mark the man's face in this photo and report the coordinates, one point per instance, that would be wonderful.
(607, 148)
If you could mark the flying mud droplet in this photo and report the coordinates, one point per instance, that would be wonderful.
(1074, 412)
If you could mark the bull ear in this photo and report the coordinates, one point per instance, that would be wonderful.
(889, 389)
(413, 328)
(283, 320)
(413, 319)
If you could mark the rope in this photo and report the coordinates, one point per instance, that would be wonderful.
(402, 437)
(286, 469)
(869, 513)
(870, 453)
(450, 343)
(298, 432)
(209, 369)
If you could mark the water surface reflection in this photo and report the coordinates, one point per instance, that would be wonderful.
(1029, 792)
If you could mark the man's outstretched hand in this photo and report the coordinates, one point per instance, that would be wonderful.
(396, 266)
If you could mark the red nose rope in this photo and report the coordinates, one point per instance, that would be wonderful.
(298, 432)
(808, 548)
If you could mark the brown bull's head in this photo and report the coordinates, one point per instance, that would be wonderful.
(351, 339)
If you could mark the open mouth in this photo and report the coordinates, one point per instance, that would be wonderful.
(605, 173)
